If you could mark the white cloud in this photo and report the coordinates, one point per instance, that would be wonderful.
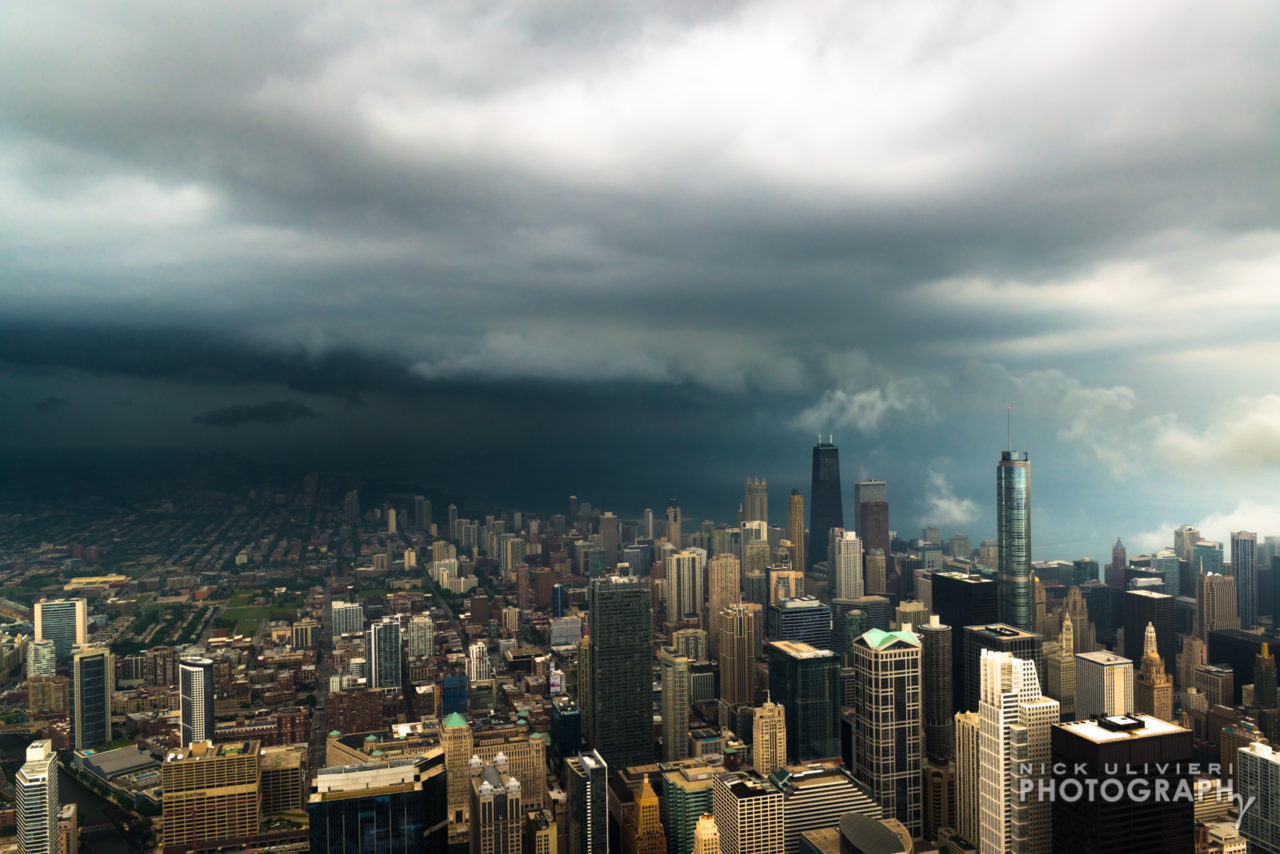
(1245, 435)
(941, 504)
(866, 410)
(1261, 518)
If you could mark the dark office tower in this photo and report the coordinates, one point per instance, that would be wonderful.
(1115, 570)
(1142, 755)
(566, 729)
(803, 619)
(559, 600)
(1001, 638)
(453, 522)
(1142, 607)
(1244, 550)
(391, 806)
(421, 512)
(195, 682)
(586, 778)
(795, 529)
(873, 526)
(935, 684)
(1013, 527)
(92, 681)
(806, 682)
(962, 600)
(826, 508)
(351, 506)
(674, 522)
(1237, 650)
(573, 509)
(1264, 679)
(755, 503)
(621, 671)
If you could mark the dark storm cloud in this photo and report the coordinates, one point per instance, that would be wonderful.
(50, 405)
(524, 222)
(272, 412)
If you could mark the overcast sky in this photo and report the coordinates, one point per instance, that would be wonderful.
(634, 250)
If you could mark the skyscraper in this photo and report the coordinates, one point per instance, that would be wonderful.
(1104, 685)
(211, 795)
(92, 680)
(586, 781)
(871, 498)
(887, 746)
(1013, 528)
(1060, 669)
(755, 504)
(621, 672)
(738, 631)
(796, 530)
(63, 621)
(675, 704)
(769, 738)
(42, 659)
(1153, 689)
(1143, 608)
(706, 836)
(1001, 638)
(685, 579)
(1014, 726)
(384, 653)
(826, 507)
(674, 534)
(749, 813)
(724, 588)
(348, 618)
(1216, 604)
(1119, 560)
(845, 568)
(936, 687)
(960, 600)
(1258, 769)
(1133, 757)
(806, 681)
(195, 683)
(399, 805)
(36, 789)
(496, 808)
(968, 775)
(1244, 550)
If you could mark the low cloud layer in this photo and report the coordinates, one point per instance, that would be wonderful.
(273, 412)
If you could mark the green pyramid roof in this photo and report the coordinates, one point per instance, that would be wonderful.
(454, 720)
(879, 639)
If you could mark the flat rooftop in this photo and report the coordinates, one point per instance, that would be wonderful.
(1127, 727)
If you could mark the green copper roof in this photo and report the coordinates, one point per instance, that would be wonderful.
(454, 720)
(879, 639)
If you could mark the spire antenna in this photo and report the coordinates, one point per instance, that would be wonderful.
(1010, 427)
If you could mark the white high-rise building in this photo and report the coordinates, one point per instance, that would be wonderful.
(479, 667)
(195, 683)
(1014, 720)
(63, 621)
(848, 566)
(383, 649)
(42, 659)
(348, 618)
(968, 774)
(37, 800)
(749, 813)
(421, 637)
(769, 738)
(1104, 685)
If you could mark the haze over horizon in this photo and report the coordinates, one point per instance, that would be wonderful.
(640, 250)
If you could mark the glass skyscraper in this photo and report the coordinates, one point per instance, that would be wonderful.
(195, 678)
(826, 508)
(1013, 527)
(806, 681)
(620, 717)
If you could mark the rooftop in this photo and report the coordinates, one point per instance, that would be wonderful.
(879, 639)
(795, 649)
(1121, 728)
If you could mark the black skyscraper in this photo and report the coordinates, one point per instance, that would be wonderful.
(962, 600)
(826, 509)
(620, 720)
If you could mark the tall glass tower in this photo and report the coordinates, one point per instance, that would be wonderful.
(620, 720)
(1013, 529)
(826, 509)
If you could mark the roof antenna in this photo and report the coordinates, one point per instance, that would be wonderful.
(1010, 427)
